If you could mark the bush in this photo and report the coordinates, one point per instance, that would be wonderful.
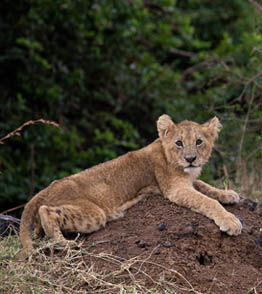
(105, 70)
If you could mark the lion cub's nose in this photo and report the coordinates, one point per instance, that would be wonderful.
(190, 159)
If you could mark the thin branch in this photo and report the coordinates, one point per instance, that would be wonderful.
(180, 52)
(251, 154)
(244, 129)
(13, 209)
(245, 124)
(195, 67)
(32, 160)
(17, 131)
(257, 5)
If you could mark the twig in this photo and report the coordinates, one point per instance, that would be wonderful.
(183, 53)
(17, 131)
(257, 5)
(32, 159)
(244, 128)
(195, 67)
(251, 154)
(245, 124)
(12, 209)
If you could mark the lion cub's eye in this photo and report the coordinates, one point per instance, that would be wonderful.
(179, 143)
(199, 142)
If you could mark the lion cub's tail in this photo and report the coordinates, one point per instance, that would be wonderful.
(26, 227)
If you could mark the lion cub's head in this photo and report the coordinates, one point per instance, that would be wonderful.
(187, 144)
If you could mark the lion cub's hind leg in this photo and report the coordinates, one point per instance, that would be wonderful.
(38, 230)
(84, 218)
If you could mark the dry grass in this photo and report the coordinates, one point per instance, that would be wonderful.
(75, 271)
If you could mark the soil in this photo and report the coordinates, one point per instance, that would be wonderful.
(172, 245)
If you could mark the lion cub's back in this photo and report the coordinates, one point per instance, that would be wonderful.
(108, 184)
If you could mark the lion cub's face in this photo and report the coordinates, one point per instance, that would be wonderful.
(187, 144)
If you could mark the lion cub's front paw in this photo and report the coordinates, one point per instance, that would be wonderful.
(229, 196)
(229, 224)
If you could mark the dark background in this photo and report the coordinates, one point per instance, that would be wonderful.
(105, 70)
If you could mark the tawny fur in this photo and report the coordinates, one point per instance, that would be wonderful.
(84, 202)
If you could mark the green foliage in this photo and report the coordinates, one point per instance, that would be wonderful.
(105, 70)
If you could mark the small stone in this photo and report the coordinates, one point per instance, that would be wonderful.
(157, 251)
(259, 241)
(162, 227)
(166, 244)
(250, 229)
(251, 206)
(142, 244)
(188, 230)
(241, 219)
(259, 208)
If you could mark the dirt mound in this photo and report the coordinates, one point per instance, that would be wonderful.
(161, 243)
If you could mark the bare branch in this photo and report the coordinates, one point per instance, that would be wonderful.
(257, 5)
(17, 131)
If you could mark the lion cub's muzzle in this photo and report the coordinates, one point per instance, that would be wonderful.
(190, 160)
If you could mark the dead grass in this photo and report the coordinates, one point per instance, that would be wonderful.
(70, 272)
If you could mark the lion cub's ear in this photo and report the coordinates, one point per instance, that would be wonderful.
(213, 127)
(164, 125)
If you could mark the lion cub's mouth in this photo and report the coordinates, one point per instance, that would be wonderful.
(191, 165)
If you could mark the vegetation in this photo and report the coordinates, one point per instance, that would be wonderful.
(75, 274)
(105, 70)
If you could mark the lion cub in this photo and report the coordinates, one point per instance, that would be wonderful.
(84, 202)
